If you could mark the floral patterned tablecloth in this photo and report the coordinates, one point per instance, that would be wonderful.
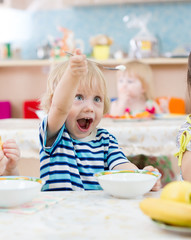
(149, 137)
(25, 132)
(85, 215)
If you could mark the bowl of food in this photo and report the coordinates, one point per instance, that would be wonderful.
(127, 183)
(17, 190)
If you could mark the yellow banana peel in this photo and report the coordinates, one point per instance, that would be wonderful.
(167, 211)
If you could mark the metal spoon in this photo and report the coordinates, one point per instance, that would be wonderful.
(118, 67)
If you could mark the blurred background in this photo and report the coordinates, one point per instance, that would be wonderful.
(34, 35)
(31, 24)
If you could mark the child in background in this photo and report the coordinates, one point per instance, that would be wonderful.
(134, 90)
(73, 149)
(135, 95)
(184, 137)
(9, 156)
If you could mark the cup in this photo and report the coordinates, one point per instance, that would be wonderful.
(101, 52)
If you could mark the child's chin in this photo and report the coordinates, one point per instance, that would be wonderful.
(82, 134)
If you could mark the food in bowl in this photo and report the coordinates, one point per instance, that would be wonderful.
(17, 190)
(127, 183)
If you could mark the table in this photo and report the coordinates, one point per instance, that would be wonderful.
(149, 137)
(85, 215)
(25, 132)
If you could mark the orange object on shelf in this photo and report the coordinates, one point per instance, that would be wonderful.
(174, 105)
(177, 105)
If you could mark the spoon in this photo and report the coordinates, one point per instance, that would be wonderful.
(118, 67)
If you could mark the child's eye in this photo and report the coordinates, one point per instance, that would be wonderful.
(121, 80)
(79, 97)
(97, 99)
(130, 80)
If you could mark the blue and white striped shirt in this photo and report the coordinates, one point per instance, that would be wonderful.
(70, 164)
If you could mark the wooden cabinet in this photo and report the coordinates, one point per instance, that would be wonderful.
(26, 80)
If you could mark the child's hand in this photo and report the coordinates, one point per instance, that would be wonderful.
(157, 185)
(3, 162)
(123, 96)
(11, 155)
(78, 64)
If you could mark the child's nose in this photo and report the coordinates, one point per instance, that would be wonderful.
(89, 107)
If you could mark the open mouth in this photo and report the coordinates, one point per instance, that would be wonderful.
(84, 123)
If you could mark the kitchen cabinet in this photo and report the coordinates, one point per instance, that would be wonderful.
(26, 80)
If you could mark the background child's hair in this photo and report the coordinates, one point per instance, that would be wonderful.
(94, 78)
(143, 72)
(189, 75)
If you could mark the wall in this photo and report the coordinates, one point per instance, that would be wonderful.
(171, 23)
(169, 80)
(22, 83)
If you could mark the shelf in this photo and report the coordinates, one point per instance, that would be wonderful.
(61, 4)
(109, 62)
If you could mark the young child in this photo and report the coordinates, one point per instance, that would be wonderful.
(134, 90)
(9, 156)
(73, 149)
(135, 95)
(184, 137)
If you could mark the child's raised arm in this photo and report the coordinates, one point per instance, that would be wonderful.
(65, 92)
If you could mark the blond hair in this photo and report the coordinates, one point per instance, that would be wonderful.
(94, 78)
(144, 73)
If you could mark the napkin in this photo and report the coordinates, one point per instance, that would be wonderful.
(38, 203)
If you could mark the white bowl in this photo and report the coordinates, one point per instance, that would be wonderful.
(127, 183)
(15, 191)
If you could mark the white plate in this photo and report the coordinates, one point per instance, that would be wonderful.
(170, 117)
(130, 119)
(173, 228)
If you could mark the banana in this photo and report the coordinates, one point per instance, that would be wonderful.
(167, 211)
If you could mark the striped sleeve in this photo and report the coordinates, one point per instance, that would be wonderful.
(115, 154)
(43, 137)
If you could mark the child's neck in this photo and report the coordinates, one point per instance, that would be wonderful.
(137, 103)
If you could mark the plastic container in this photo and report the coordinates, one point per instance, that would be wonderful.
(5, 109)
(101, 52)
